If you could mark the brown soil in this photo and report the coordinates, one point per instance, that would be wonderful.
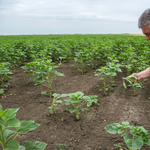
(88, 133)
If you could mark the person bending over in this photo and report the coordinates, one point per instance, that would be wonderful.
(144, 24)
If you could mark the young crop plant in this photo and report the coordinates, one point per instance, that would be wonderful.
(128, 59)
(60, 60)
(134, 83)
(82, 57)
(5, 73)
(133, 137)
(77, 100)
(43, 71)
(95, 56)
(105, 71)
(10, 128)
(114, 67)
(142, 64)
(60, 146)
(56, 101)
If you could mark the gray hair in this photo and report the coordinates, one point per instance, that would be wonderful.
(144, 19)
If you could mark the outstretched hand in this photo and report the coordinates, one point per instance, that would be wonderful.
(137, 76)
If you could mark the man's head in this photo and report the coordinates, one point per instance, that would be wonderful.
(144, 23)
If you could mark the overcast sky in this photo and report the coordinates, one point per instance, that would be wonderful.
(70, 16)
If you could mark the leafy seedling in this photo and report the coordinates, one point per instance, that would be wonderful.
(114, 67)
(56, 101)
(105, 72)
(43, 92)
(134, 83)
(77, 100)
(133, 137)
(43, 71)
(10, 128)
(60, 60)
(60, 146)
(5, 73)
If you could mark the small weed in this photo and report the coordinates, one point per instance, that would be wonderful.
(60, 146)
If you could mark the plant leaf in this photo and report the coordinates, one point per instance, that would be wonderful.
(112, 128)
(34, 145)
(7, 133)
(27, 126)
(22, 148)
(124, 84)
(13, 145)
(1, 91)
(13, 123)
(71, 110)
(58, 101)
(135, 143)
(147, 142)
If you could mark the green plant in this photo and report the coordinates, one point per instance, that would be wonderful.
(55, 102)
(4, 75)
(42, 71)
(60, 60)
(82, 57)
(60, 146)
(133, 137)
(77, 100)
(10, 128)
(129, 58)
(114, 67)
(133, 82)
(105, 72)
(43, 92)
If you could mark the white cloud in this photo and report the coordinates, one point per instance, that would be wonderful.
(70, 16)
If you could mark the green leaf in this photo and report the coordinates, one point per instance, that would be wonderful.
(38, 79)
(125, 123)
(135, 143)
(1, 91)
(82, 109)
(89, 104)
(63, 95)
(147, 142)
(59, 74)
(75, 101)
(58, 101)
(7, 133)
(25, 67)
(40, 71)
(120, 131)
(27, 126)
(71, 110)
(8, 113)
(112, 73)
(34, 145)
(22, 148)
(124, 84)
(13, 123)
(2, 122)
(13, 144)
(118, 69)
(1, 109)
(112, 128)
(68, 102)
(43, 92)
(56, 95)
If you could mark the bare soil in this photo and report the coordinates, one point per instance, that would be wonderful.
(88, 133)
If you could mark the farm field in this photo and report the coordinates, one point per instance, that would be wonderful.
(79, 57)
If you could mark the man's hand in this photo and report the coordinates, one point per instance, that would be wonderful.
(137, 76)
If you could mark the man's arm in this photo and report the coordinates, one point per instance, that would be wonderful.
(143, 74)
